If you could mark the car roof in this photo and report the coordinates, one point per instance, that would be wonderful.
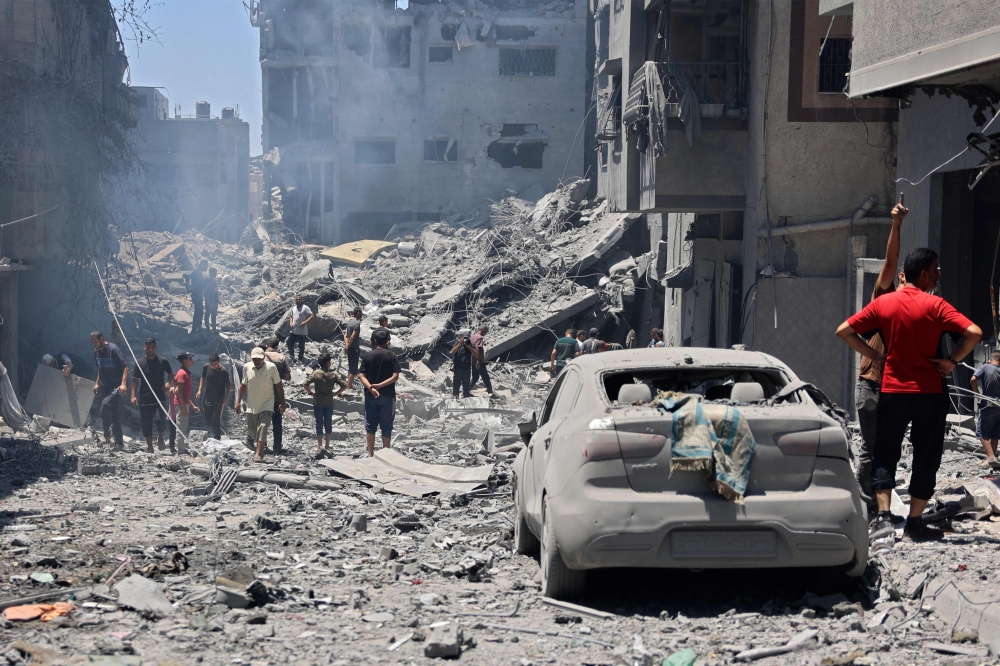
(670, 357)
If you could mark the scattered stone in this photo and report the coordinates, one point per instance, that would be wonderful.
(388, 553)
(265, 523)
(143, 595)
(377, 617)
(443, 642)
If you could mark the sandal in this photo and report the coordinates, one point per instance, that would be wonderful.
(258, 459)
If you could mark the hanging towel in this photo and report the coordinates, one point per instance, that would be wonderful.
(715, 439)
(657, 101)
(690, 113)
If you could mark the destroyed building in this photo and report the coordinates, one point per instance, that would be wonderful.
(942, 71)
(198, 167)
(377, 114)
(65, 115)
(725, 123)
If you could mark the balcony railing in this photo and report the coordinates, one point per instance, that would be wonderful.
(719, 86)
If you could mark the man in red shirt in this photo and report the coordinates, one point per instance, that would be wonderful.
(182, 401)
(910, 322)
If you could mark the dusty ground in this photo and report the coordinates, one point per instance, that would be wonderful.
(336, 599)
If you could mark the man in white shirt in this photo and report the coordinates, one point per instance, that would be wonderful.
(260, 383)
(298, 319)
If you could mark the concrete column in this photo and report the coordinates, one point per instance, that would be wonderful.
(8, 327)
(857, 247)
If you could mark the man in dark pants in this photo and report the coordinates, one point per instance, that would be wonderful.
(298, 320)
(464, 355)
(352, 343)
(216, 385)
(911, 322)
(869, 384)
(479, 367)
(379, 372)
(196, 285)
(151, 380)
(111, 384)
(272, 354)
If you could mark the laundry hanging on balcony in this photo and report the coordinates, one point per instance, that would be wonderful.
(690, 114)
(645, 112)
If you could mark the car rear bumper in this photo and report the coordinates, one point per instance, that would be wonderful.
(821, 526)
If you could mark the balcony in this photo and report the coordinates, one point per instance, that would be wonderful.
(718, 86)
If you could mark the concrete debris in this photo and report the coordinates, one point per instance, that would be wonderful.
(143, 595)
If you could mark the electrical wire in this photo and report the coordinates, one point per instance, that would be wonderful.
(25, 219)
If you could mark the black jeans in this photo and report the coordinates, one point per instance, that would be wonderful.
(294, 339)
(463, 378)
(213, 419)
(110, 414)
(211, 314)
(866, 401)
(199, 309)
(276, 427)
(926, 414)
(479, 371)
(150, 414)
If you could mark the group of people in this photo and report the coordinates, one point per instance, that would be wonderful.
(469, 362)
(203, 285)
(579, 343)
(901, 382)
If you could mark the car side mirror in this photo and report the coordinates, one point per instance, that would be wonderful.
(528, 428)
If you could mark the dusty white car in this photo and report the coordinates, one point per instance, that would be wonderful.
(594, 489)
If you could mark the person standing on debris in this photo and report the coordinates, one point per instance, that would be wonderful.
(260, 381)
(111, 384)
(593, 343)
(60, 361)
(383, 324)
(212, 299)
(581, 337)
(479, 366)
(911, 322)
(215, 385)
(564, 351)
(379, 372)
(152, 382)
(869, 384)
(272, 354)
(298, 320)
(352, 343)
(196, 285)
(324, 380)
(986, 381)
(655, 338)
(183, 385)
(464, 355)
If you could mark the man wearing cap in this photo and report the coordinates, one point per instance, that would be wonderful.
(182, 401)
(260, 381)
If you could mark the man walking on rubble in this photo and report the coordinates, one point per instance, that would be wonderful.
(911, 322)
(379, 372)
(152, 379)
(216, 385)
(212, 300)
(986, 381)
(463, 356)
(869, 384)
(564, 351)
(479, 365)
(298, 320)
(196, 285)
(260, 381)
(183, 385)
(111, 384)
(272, 354)
(593, 343)
(352, 344)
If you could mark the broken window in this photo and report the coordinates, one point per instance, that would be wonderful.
(517, 129)
(527, 62)
(375, 152)
(441, 150)
(395, 48)
(834, 64)
(513, 33)
(518, 151)
(439, 54)
(357, 38)
(448, 32)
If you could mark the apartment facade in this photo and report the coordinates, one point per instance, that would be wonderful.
(728, 119)
(198, 167)
(377, 114)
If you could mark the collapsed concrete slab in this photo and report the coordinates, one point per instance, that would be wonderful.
(63, 400)
(426, 333)
(405, 476)
(561, 309)
(356, 253)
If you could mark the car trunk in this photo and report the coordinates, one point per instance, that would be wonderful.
(787, 438)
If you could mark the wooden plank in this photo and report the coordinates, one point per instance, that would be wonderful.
(356, 253)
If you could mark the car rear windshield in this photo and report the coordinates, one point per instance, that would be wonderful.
(712, 383)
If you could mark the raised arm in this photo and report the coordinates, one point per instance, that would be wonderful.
(888, 273)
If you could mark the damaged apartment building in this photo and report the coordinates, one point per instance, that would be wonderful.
(726, 123)
(383, 114)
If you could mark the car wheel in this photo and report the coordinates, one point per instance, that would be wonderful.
(525, 542)
(558, 580)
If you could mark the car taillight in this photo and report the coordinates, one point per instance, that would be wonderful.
(640, 445)
(599, 445)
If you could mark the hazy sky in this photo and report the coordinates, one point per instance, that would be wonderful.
(208, 51)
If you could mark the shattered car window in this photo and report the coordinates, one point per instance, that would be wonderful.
(712, 383)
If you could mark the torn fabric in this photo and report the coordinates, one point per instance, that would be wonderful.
(690, 114)
(657, 101)
(715, 439)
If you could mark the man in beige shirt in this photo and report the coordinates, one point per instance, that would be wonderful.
(261, 384)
